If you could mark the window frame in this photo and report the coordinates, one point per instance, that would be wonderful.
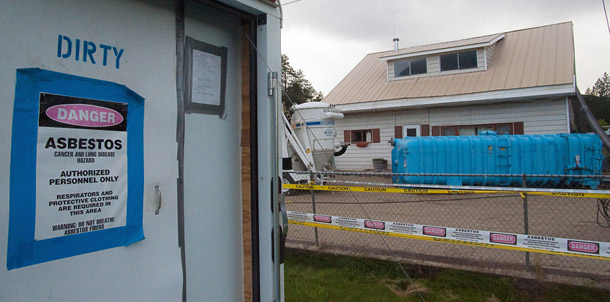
(457, 57)
(375, 135)
(406, 127)
(363, 134)
(495, 126)
(410, 67)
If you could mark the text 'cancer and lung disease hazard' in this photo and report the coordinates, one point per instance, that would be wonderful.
(81, 178)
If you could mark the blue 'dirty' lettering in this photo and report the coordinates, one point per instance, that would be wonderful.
(67, 48)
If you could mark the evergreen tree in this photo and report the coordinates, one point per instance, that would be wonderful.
(297, 89)
(601, 88)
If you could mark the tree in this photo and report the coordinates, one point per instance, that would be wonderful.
(297, 89)
(601, 88)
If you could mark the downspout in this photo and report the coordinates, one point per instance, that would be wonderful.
(592, 121)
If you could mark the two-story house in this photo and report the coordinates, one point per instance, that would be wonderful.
(518, 82)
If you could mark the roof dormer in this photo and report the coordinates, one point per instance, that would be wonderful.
(441, 59)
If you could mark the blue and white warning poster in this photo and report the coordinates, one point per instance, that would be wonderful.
(81, 166)
(76, 167)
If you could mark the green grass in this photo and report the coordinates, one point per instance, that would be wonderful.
(321, 277)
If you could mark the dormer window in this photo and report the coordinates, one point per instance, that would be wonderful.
(459, 60)
(441, 59)
(407, 67)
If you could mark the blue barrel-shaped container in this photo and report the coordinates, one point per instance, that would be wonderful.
(568, 155)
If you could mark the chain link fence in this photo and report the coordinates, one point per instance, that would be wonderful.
(565, 215)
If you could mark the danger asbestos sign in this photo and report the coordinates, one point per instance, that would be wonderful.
(81, 165)
(77, 167)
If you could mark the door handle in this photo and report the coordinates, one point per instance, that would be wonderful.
(158, 191)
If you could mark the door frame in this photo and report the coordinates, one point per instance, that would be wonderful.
(249, 24)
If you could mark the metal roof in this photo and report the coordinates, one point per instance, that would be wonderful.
(527, 58)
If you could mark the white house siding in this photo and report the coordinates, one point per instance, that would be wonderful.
(538, 117)
(391, 70)
(357, 158)
(434, 64)
(481, 59)
(489, 51)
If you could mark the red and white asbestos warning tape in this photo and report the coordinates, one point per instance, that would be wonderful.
(500, 240)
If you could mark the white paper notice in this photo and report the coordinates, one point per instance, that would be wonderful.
(206, 80)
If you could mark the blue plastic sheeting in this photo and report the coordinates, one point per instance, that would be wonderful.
(23, 249)
(560, 154)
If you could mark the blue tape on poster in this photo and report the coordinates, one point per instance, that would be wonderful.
(77, 168)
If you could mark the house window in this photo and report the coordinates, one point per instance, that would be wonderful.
(362, 136)
(410, 130)
(471, 130)
(359, 136)
(409, 67)
(459, 61)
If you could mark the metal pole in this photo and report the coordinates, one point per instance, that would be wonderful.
(525, 221)
(313, 203)
(592, 121)
(276, 186)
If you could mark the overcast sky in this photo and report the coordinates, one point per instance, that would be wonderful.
(327, 38)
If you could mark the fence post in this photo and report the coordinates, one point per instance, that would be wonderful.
(525, 221)
(313, 203)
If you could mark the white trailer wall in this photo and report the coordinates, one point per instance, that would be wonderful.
(147, 66)
(151, 269)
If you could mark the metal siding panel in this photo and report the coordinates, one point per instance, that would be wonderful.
(456, 86)
(517, 64)
(564, 72)
(418, 90)
(393, 89)
(407, 87)
(529, 60)
(427, 86)
(362, 80)
(547, 62)
(375, 91)
(502, 65)
(471, 82)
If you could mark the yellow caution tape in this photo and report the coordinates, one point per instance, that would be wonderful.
(437, 191)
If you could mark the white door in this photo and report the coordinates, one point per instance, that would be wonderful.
(212, 182)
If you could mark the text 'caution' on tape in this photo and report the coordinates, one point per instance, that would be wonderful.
(439, 191)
